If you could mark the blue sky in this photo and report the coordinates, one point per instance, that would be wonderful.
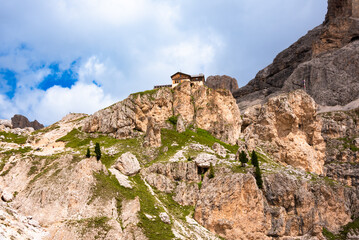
(61, 56)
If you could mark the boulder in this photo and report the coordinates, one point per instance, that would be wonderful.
(6, 123)
(128, 164)
(204, 160)
(7, 196)
(165, 218)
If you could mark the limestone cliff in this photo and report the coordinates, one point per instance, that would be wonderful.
(314, 62)
(213, 110)
(287, 128)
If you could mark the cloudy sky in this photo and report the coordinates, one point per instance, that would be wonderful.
(61, 56)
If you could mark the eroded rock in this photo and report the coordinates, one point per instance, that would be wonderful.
(128, 164)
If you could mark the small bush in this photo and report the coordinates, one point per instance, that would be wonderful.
(211, 171)
(173, 120)
(88, 154)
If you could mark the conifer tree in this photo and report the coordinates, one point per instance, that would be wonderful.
(243, 158)
(88, 154)
(258, 176)
(254, 159)
(98, 151)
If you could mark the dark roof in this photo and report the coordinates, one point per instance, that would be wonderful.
(181, 73)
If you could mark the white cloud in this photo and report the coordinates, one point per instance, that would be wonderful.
(131, 45)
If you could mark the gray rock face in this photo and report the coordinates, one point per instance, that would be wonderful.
(326, 59)
(128, 164)
(19, 121)
(222, 82)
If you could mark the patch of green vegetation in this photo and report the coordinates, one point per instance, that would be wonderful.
(201, 136)
(173, 120)
(98, 223)
(348, 144)
(45, 170)
(81, 141)
(344, 232)
(13, 138)
(107, 187)
(175, 208)
(148, 92)
(7, 170)
(32, 170)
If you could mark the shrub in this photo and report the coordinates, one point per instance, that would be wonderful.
(243, 158)
(98, 151)
(254, 159)
(173, 120)
(88, 154)
(211, 171)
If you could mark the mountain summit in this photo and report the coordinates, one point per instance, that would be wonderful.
(315, 62)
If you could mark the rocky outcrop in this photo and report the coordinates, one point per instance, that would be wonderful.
(222, 82)
(232, 206)
(315, 62)
(288, 129)
(213, 110)
(6, 123)
(19, 121)
(340, 131)
(153, 134)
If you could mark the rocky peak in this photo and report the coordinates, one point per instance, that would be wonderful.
(222, 82)
(342, 8)
(314, 62)
(20, 121)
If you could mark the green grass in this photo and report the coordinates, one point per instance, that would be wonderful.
(173, 120)
(98, 223)
(107, 187)
(148, 92)
(81, 141)
(343, 233)
(13, 138)
(173, 207)
(201, 136)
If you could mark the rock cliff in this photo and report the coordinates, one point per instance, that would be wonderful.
(213, 110)
(314, 62)
(287, 128)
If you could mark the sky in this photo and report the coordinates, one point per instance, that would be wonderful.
(62, 56)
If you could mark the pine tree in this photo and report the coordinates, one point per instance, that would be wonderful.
(254, 159)
(258, 177)
(88, 154)
(211, 171)
(243, 158)
(98, 151)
